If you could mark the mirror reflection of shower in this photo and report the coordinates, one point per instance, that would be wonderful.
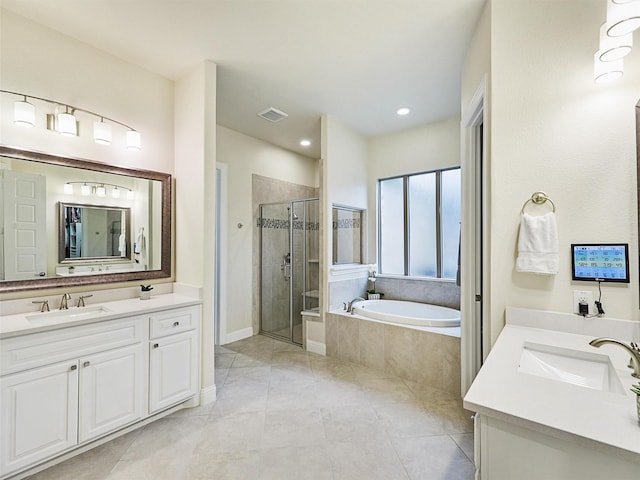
(289, 267)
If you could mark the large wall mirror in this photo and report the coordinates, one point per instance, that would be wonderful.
(66, 221)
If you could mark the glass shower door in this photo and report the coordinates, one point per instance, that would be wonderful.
(276, 270)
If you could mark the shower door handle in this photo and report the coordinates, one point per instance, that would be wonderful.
(286, 270)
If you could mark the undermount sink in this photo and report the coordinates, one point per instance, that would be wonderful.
(73, 313)
(583, 369)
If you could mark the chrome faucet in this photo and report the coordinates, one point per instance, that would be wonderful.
(44, 303)
(63, 301)
(633, 349)
(81, 299)
(350, 304)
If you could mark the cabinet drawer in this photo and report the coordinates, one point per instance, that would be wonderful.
(173, 321)
(38, 349)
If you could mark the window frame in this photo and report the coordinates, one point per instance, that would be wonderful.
(407, 226)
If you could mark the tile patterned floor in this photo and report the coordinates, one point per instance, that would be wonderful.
(286, 414)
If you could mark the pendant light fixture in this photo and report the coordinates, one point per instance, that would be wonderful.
(623, 17)
(24, 113)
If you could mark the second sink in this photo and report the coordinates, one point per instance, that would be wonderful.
(583, 369)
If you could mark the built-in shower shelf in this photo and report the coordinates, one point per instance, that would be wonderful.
(313, 260)
(312, 294)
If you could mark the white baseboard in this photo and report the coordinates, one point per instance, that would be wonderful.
(237, 335)
(317, 347)
(208, 395)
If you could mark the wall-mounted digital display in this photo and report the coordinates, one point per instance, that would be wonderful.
(603, 262)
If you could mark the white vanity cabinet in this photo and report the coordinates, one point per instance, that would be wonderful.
(173, 357)
(39, 414)
(66, 387)
(70, 386)
(112, 391)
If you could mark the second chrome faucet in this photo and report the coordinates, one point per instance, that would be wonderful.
(633, 349)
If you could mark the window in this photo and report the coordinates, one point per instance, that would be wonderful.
(419, 224)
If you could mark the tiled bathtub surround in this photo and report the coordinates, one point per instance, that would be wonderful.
(419, 356)
(437, 292)
(346, 290)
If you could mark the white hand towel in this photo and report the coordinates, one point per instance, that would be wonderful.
(122, 245)
(538, 244)
(139, 242)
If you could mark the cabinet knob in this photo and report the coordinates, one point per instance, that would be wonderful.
(73, 367)
(176, 324)
(86, 364)
(155, 345)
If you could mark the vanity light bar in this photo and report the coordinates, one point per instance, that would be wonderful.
(63, 120)
(98, 189)
(616, 39)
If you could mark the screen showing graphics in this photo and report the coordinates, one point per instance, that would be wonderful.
(600, 262)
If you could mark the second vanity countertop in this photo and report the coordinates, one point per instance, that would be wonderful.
(604, 420)
(33, 322)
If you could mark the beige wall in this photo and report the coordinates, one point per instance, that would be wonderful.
(554, 129)
(245, 156)
(195, 170)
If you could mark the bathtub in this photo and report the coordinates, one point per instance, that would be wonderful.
(408, 313)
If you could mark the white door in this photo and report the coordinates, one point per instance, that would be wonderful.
(173, 370)
(39, 414)
(112, 390)
(25, 223)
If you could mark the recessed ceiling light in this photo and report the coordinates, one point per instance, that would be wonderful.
(305, 142)
(403, 111)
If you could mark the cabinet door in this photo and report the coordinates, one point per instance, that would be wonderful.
(173, 373)
(39, 414)
(112, 390)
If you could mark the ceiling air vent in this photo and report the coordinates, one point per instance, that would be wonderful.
(273, 114)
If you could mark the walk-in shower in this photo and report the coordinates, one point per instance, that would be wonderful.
(289, 266)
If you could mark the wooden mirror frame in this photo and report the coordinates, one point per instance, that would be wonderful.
(53, 281)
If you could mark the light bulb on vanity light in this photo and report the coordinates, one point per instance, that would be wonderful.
(101, 191)
(67, 124)
(24, 113)
(85, 190)
(130, 195)
(134, 141)
(623, 17)
(102, 132)
(614, 48)
(115, 193)
(604, 72)
(68, 188)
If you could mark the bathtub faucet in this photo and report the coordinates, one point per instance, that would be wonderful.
(350, 304)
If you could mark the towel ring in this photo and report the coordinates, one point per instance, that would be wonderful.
(539, 198)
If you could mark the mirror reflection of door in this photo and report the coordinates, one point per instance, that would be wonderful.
(23, 215)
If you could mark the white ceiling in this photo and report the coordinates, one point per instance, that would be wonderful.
(358, 60)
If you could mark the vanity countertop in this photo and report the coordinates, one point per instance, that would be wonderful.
(33, 322)
(603, 420)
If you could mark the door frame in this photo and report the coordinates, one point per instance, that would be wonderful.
(475, 331)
